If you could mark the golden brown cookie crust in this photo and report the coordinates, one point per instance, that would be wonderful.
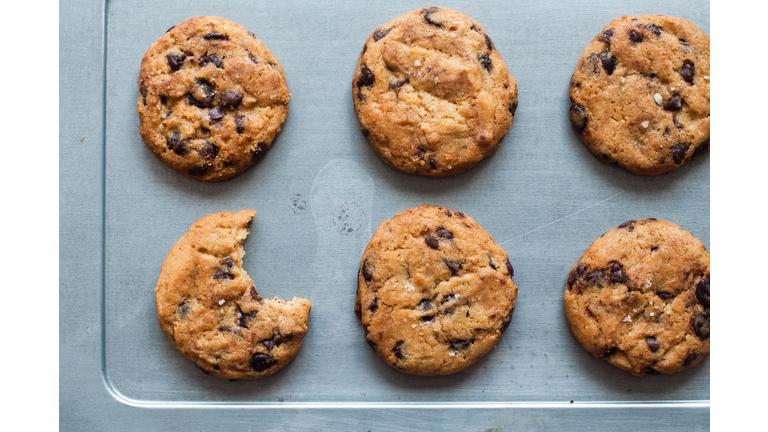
(209, 309)
(432, 93)
(435, 292)
(211, 98)
(639, 298)
(640, 93)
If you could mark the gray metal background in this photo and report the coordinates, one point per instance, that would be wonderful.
(320, 192)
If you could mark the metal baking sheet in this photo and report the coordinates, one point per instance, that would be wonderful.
(319, 193)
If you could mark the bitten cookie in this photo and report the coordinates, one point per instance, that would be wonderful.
(209, 309)
(211, 98)
(640, 93)
(639, 298)
(432, 93)
(435, 292)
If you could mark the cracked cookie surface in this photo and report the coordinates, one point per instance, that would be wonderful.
(640, 93)
(210, 310)
(432, 93)
(639, 298)
(435, 292)
(211, 98)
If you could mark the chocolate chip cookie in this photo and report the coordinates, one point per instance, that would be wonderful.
(209, 309)
(435, 292)
(432, 93)
(639, 298)
(211, 100)
(640, 93)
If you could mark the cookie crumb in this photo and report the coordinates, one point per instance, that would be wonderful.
(627, 319)
(644, 124)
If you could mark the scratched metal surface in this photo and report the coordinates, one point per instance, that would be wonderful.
(320, 192)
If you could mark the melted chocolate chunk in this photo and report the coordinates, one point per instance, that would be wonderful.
(444, 234)
(427, 14)
(576, 273)
(367, 79)
(486, 62)
(703, 147)
(691, 357)
(212, 58)
(461, 344)
(666, 295)
(701, 325)
(378, 34)
(175, 62)
(208, 151)
(454, 267)
(230, 330)
(358, 310)
(269, 344)
(398, 84)
(509, 268)
(675, 103)
(492, 263)
(367, 271)
(216, 114)
(374, 305)
(688, 72)
(606, 35)
(258, 152)
(202, 95)
(653, 345)
(678, 152)
(608, 61)
(261, 362)
(245, 317)
(239, 123)
(488, 42)
(618, 275)
(431, 241)
(255, 295)
(231, 99)
(702, 290)
(398, 350)
(182, 310)
(215, 36)
(578, 117)
(172, 27)
(655, 29)
(425, 305)
(432, 162)
(513, 108)
(507, 320)
(447, 298)
(630, 225)
(635, 37)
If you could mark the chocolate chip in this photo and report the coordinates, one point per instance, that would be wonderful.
(428, 318)
(651, 371)
(653, 345)
(255, 295)
(702, 290)
(655, 29)
(212, 58)
(683, 42)
(239, 119)
(215, 36)
(182, 310)
(630, 225)
(447, 298)
(143, 92)
(666, 295)
(425, 305)
(618, 275)
(701, 325)
(208, 151)
(245, 317)
(253, 59)
(367, 78)
(454, 267)
(675, 103)
(677, 124)
(488, 42)
(261, 362)
(173, 141)
(398, 84)
(231, 99)
(216, 114)
(258, 152)
(678, 152)
(269, 344)
(427, 13)
(703, 147)
(461, 215)
(635, 37)
(431, 241)
(198, 170)
(398, 350)
(576, 273)
(606, 35)
(367, 271)
(509, 268)
(449, 214)
(590, 65)
(371, 343)
(202, 95)
(492, 263)
(610, 351)
(365, 132)
(690, 359)
(175, 62)
(513, 108)
(461, 344)
(230, 330)
(432, 162)
(228, 262)
(688, 71)
(374, 305)
(507, 320)
(172, 27)
(378, 34)
(578, 117)
(225, 271)
(444, 234)
(486, 62)
(608, 61)
(358, 310)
